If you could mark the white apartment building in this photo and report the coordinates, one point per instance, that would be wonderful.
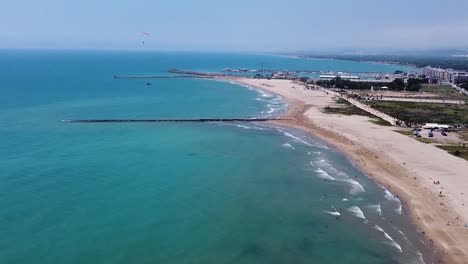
(446, 75)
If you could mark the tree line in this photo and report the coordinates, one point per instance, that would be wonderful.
(438, 61)
(412, 84)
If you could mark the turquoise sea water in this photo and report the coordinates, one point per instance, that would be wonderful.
(176, 193)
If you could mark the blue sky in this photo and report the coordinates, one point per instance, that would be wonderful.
(253, 25)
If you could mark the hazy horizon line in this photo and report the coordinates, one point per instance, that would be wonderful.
(343, 51)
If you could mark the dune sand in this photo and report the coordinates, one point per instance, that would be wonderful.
(405, 166)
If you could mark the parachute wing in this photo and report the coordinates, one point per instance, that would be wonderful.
(144, 36)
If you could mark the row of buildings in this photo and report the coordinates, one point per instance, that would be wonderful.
(445, 75)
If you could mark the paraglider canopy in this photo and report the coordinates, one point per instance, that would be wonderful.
(144, 36)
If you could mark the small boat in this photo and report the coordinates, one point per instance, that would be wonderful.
(148, 83)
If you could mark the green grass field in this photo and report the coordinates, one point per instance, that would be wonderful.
(380, 122)
(456, 150)
(444, 92)
(419, 113)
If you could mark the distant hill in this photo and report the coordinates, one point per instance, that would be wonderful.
(444, 58)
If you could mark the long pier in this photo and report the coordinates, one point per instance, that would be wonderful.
(196, 73)
(166, 77)
(194, 120)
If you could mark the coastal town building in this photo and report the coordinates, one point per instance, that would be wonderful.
(445, 75)
(460, 77)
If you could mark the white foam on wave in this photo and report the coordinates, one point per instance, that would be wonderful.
(399, 209)
(403, 236)
(270, 109)
(418, 253)
(243, 85)
(273, 105)
(420, 257)
(357, 212)
(287, 145)
(356, 187)
(245, 127)
(389, 196)
(387, 236)
(310, 143)
(276, 102)
(324, 175)
(269, 98)
(297, 139)
(264, 94)
(249, 127)
(401, 232)
(377, 208)
(335, 213)
(342, 174)
(324, 164)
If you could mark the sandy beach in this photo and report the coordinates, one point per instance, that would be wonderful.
(401, 164)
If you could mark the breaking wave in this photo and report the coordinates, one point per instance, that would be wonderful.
(287, 145)
(377, 208)
(356, 187)
(357, 212)
(335, 213)
(324, 175)
(392, 242)
(389, 196)
(297, 139)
